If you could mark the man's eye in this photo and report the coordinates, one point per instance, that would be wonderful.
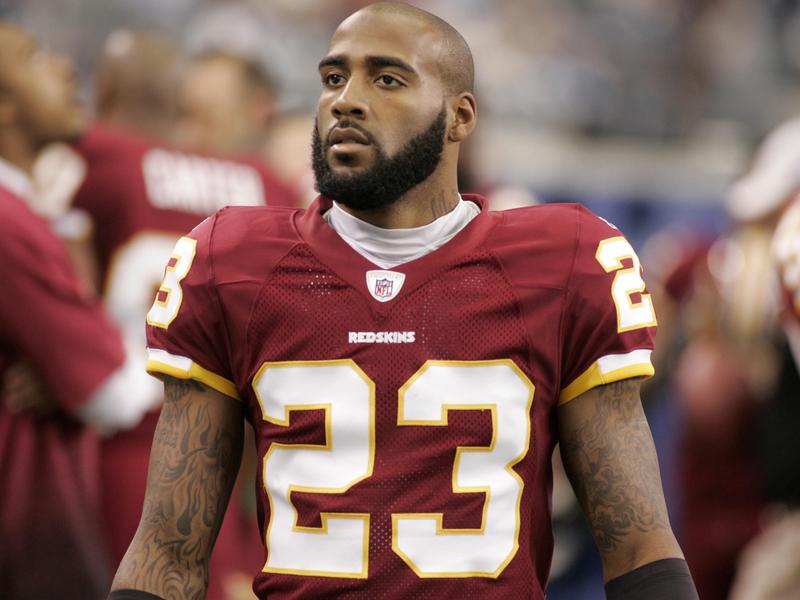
(333, 79)
(388, 81)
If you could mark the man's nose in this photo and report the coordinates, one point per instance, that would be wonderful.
(350, 101)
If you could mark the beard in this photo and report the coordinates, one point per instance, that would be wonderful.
(390, 177)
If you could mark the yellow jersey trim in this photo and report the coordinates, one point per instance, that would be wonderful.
(594, 376)
(195, 371)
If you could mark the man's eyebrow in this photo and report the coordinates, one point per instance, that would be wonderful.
(372, 62)
(336, 60)
(379, 62)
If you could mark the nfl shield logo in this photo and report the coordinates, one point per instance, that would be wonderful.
(383, 288)
(384, 285)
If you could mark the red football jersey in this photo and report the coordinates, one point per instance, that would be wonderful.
(404, 418)
(49, 538)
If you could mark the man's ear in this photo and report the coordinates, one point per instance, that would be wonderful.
(464, 119)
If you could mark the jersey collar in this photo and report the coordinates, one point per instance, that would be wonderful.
(351, 266)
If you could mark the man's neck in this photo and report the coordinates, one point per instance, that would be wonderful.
(17, 150)
(419, 206)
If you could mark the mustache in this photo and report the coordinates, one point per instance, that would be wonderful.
(348, 124)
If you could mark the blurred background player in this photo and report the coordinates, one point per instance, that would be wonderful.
(736, 386)
(226, 104)
(287, 152)
(134, 195)
(767, 199)
(62, 363)
(134, 94)
(134, 86)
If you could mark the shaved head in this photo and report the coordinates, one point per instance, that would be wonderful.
(454, 58)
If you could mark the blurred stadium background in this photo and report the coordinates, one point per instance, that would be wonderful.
(646, 111)
(652, 99)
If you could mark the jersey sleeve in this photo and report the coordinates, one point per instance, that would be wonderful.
(186, 337)
(49, 318)
(609, 322)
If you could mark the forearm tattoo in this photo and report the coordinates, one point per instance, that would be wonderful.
(611, 461)
(193, 464)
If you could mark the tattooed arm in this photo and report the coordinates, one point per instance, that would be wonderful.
(193, 463)
(608, 454)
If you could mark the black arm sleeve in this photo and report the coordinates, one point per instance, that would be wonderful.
(667, 579)
(132, 595)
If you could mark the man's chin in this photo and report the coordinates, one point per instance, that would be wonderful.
(345, 170)
(69, 130)
(355, 156)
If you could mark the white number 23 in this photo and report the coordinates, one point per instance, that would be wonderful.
(340, 547)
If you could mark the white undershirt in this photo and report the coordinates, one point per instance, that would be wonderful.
(389, 248)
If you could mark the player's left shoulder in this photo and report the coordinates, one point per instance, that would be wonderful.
(561, 224)
(549, 243)
(592, 227)
(535, 245)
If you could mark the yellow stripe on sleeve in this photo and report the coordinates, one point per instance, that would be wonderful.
(160, 362)
(609, 369)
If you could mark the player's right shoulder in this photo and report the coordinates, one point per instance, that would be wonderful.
(241, 239)
(253, 225)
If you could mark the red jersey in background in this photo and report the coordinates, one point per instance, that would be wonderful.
(50, 541)
(404, 418)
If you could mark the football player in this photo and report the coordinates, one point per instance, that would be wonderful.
(408, 360)
(50, 543)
